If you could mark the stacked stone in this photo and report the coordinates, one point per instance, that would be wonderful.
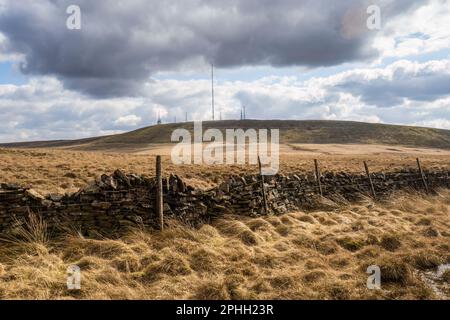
(114, 201)
(288, 192)
(109, 203)
(13, 202)
(119, 200)
(242, 195)
(438, 179)
(184, 202)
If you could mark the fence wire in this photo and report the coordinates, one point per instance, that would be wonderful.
(108, 195)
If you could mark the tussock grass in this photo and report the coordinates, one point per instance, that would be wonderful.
(446, 277)
(295, 256)
(33, 230)
(394, 270)
(426, 259)
(390, 243)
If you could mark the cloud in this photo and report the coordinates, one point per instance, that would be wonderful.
(421, 31)
(6, 56)
(121, 45)
(128, 121)
(43, 109)
(401, 80)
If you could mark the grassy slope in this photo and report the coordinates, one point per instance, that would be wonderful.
(342, 132)
(316, 255)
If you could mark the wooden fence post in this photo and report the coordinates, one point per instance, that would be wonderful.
(372, 189)
(424, 180)
(159, 194)
(319, 183)
(263, 187)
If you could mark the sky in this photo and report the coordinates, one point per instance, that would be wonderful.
(287, 59)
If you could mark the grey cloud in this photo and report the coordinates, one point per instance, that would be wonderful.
(122, 44)
(372, 92)
(269, 106)
(386, 93)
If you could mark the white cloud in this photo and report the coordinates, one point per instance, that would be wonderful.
(435, 123)
(424, 30)
(128, 121)
(6, 56)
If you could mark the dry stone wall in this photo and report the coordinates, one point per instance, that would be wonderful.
(119, 200)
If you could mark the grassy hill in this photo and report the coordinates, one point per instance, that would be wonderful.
(291, 131)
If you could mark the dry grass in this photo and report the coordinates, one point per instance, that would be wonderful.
(317, 255)
(60, 171)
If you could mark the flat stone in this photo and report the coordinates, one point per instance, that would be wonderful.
(101, 205)
(122, 177)
(34, 195)
(55, 197)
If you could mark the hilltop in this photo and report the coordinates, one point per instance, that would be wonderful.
(291, 132)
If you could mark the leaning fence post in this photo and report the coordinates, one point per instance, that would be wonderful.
(319, 183)
(372, 189)
(422, 175)
(159, 194)
(263, 187)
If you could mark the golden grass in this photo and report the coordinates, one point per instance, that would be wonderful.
(60, 171)
(316, 255)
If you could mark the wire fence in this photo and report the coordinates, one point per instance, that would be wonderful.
(145, 195)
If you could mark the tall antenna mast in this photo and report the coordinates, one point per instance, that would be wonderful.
(159, 117)
(212, 89)
(245, 113)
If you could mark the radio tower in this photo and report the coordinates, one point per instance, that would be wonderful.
(159, 117)
(212, 90)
